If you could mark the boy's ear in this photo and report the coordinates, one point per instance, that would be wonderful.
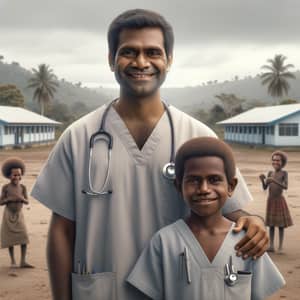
(231, 186)
(177, 185)
(111, 62)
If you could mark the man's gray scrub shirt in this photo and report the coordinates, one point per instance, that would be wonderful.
(111, 230)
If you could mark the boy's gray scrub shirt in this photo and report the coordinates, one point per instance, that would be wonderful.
(111, 230)
(160, 272)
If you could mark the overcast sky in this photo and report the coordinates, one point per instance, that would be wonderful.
(214, 40)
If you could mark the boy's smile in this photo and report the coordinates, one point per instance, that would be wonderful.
(204, 185)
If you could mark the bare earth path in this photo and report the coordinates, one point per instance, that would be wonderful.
(33, 284)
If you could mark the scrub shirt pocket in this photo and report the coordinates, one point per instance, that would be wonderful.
(241, 290)
(98, 286)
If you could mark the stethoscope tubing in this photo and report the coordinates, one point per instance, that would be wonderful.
(168, 170)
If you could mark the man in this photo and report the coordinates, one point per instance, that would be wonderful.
(104, 234)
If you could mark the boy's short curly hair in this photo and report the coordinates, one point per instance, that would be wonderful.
(282, 155)
(205, 146)
(12, 163)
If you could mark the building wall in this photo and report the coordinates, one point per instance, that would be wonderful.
(253, 134)
(250, 134)
(288, 140)
(245, 134)
(25, 135)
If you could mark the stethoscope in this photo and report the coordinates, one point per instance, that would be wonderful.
(168, 170)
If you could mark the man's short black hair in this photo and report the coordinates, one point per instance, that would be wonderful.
(138, 19)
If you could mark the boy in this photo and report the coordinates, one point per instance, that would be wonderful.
(194, 258)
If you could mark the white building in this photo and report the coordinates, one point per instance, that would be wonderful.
(20, 127)
(272, 125)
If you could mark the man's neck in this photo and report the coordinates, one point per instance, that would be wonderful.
(140, 116)
(147, 108)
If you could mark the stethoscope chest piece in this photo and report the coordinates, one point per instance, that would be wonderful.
(231, 279)
(169, 171)
(231, 276)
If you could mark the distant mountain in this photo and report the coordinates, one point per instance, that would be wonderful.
(67, 92)
(188, 99)
(203, 97)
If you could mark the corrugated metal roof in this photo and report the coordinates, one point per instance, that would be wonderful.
(19, 115)
(262, 115)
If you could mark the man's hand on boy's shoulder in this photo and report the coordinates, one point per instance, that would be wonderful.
(256, 240)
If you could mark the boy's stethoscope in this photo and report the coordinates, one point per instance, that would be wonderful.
(168, 169)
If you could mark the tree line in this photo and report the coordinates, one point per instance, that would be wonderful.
(44, 84)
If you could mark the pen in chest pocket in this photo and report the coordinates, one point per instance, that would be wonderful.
(185, 265)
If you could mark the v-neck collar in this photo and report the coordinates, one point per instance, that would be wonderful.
(141, 156)
(195, 247)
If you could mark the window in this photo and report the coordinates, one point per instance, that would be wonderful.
(288, 129)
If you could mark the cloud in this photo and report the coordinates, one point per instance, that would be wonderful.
(214, 39)
(194, 20)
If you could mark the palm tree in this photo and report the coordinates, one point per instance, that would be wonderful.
(277, 76)
(44, 82)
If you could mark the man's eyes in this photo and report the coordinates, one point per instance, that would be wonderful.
(128, 52)
(154, 52)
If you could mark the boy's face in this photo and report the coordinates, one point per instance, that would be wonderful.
(140, 64)
(204, 186)
(15, 175)
(277, 162)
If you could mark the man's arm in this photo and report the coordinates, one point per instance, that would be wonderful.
(60, 248)
(256, 240)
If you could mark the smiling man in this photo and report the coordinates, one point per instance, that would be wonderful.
(107, 203)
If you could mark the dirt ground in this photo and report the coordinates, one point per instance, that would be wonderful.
(33, 283)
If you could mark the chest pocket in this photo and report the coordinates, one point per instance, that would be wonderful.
(99, 286)
(241, 290)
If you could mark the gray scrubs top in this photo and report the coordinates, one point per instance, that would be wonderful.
(161, 271)
(111, 230)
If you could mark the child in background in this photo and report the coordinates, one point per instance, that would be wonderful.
(195, 258)
(277, 212)
(13, 196)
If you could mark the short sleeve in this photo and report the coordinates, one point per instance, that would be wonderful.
(240, 197)
(266, 278)
(147, 273)
(54, 186)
